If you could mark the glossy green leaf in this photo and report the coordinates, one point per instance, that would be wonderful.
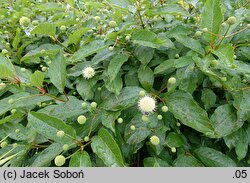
(47, 155)
(45, 28)
(214, 158)
(155, 162)
(225, 54)
(17, 38)
(86, 88)
(6, 68)
(107, 149)
(208, 98)
(116, 64)
(36, 79)
(75, 37)
(108, 119)
(146, 77)
(187, 110)
(187, 161)
(80, 159)
(48, 126)
(57, 72)
(211, 19)
(174, 140)
(144, 54)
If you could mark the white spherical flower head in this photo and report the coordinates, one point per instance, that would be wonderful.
(147, 104)
(88, 72)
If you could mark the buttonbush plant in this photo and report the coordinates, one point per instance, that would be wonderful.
(145, 83)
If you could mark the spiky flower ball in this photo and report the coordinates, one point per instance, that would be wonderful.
(60, 160)
(81, 119)
(88, 72)
(155, 140)
(231, 20)
(2, 86)
(24, 21)
(112, 23)
(120, 120)
(164, 108)
(147, 104)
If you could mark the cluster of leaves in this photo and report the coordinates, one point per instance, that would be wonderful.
(133, 46)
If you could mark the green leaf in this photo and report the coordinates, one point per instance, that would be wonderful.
(36, 79)
(115, 85)
(89, 49)
(116, 64)
(174, 140)
(75, 37)
(107, 149)
(57, 72)
(127, 98)
(187, 110)
(65, 110)
(47, 155)
(144, 54)
(17, 38)
(190, 43)
(108, 119)
(155, 162)
(85, 88)
(48, 126)
(45, 28)
(225, 120)
(170, 9)
(7, 70)
(208, 98)
(225, 53)
(146, 77)
(240, 141)
(80, 159)
(141, 131)
(187, 161)
(173, 63)
(214, 158)
(211, 19)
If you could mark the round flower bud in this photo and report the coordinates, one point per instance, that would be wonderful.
(44, 104)
(99, 88)
(13, 111)
(63, 28)
(223, 79)
(132, 127)
(155, 140)
(35, 22)
(81, 119)
(178, 124)
(24, 21)
(88, 72)
(86, 139)
(23, 69)
(159, 117)
(224, 24)
(235, 57)
(164, 108)
(10, 101)
(77, 19)
(65, 147)
(4, 51)
(42, 52)
(198, 33)
(15, 145)
(60, 133)
(214, 63)
(120, 120)
(97, 18)
(2, 86)
(142, 93)
(4, 144)
(231, 20)
(147, 104)
(44, 69)
(60, 160)
(173, 149)
(17, 130)
(111, 48)
(84, 105)
(127, 38)
(112, 23)
(248, 26)
(171, 81)
(93, 105)
(204, 30)
(177, 55)
(145, 118)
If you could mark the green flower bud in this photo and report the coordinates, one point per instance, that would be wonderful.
(159, 117)
(112, 23)
(13, 111)
(84, 105)
(97, 18)
(173, 149)
(10, 101)
(4, 144)
(4, 51)
(63, 28)
(178, 124)
(177, 56)
(44, 69)
(145, 118)
(24, 21)
(223, 79)
(23, 69)
(60, 133)
(43, 51)
(65, 147)
(120, 120)
(81, 119)
(164, 108)
(142, 93)
(198, 33)
(93, 105)
(99, 88)
(2, 86)
(171, 81)
(60, 160)
(86, 139)
(204, 30)
(111, 48)
(35, 22)
(214, 63)
(127, 38)
(155, 140)
(248, 26)
(231, 20)
(224, 24)
(132, 127)
(235, 57)
(17, 130)
(15, 145)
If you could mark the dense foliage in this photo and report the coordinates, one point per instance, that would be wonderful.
(124, 83)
